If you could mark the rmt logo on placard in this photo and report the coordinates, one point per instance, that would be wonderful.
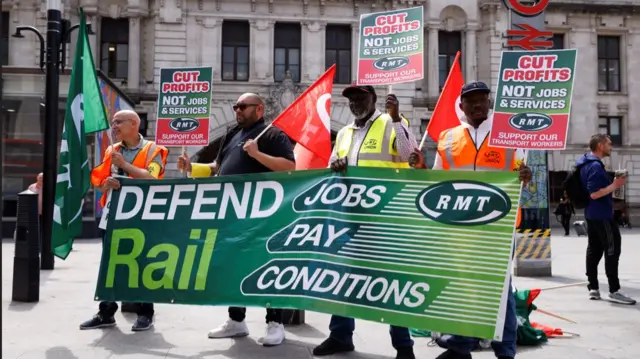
(391, 63)
(184, 124)
(530, 122)
(463, 203)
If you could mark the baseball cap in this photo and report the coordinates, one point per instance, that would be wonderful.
(355, 88)
(476, 86)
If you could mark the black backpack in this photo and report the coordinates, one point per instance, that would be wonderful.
(577, 193)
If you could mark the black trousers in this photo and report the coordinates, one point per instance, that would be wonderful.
(109, 309)
(566, 223)
(604, 239)
(239, 313)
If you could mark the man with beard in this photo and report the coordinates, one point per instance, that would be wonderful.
(373, 139)
(240, 154)
(466, 147)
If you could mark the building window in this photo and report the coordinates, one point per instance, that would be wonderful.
(114, 47)
(235, 50)
(611, 126)
(4, 38)
(286, 53)
(558, 41)
(449, 43)
(609, 63)
(338, 51)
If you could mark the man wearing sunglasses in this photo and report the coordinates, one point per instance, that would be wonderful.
(239, 153)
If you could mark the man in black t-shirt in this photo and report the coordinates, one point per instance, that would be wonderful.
(240, 154)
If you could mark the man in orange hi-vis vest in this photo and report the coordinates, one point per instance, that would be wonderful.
(134, 157)
(465, 147)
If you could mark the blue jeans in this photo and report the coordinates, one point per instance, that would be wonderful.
(342, 330)
(507, 347)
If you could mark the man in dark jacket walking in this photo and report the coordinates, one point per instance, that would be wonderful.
(602, 231)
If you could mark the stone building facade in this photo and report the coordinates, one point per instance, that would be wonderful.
(278, 47)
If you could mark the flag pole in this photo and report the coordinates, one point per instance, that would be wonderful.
(263, 131)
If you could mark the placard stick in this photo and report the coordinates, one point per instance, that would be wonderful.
(555, 316)
(389, 90)
(565, 286)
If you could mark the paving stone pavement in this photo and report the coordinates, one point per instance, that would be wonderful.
(49, 329)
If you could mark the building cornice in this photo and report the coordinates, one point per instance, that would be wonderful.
(591, 6)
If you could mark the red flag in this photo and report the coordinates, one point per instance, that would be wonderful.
(307, 119)
(447, 113)
(307, 160)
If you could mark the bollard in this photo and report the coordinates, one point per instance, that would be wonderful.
(26, 261)
(292, 316)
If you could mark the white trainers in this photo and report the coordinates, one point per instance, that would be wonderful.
(230, 329)
(594, 294)
(273, 336)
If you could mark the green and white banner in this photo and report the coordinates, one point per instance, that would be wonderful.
(415, 248)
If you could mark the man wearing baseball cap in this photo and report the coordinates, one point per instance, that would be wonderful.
(466, 147)
(374, 139)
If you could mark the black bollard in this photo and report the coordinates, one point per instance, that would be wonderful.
(26, 261)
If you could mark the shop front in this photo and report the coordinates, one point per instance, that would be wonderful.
(23, 119)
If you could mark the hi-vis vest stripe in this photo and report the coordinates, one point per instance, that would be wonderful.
(377, 148)
(458, 151)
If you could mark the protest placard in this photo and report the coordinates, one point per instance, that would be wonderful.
(533, 99)
(391, 44)
(184, 106)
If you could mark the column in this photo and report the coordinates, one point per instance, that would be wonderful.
(355, 47)
(93, 39)
(313, 49)
(261, 50)
(433, 78)
(133, 81)
(470, 53)
(211, 44)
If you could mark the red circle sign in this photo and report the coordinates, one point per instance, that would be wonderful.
(526, 10)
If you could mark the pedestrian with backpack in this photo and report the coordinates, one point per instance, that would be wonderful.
(593, 192)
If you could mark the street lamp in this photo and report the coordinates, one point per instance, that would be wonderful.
(58, 35)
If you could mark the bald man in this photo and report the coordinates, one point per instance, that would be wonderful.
(240, 154)
(134, 157)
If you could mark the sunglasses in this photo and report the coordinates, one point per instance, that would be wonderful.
(243, 106)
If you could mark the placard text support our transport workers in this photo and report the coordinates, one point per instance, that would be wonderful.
(427, 250)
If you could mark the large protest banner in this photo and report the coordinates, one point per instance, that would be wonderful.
(391, 44)
(420, 249)
(184, 106)
(533, 99)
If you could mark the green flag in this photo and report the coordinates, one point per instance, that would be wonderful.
(84, 114)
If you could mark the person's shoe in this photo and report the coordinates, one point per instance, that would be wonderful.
(620, 298)
(594, 294)
(504, 357)
(405, 353)
(273, 336)
(230, 329)
(331, 346)
(98, 321)
(450, 354)
(142, 323)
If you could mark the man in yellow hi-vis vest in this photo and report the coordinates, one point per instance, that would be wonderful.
(373, 139)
